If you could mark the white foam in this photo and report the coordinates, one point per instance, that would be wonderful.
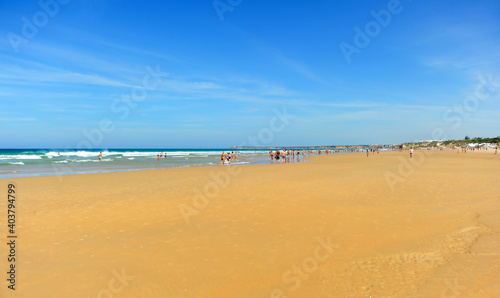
(17, 163)
(138, 154)
(81, 153)
(21, 156)
(71, 153)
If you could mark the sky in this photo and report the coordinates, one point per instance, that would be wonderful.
(214, 74)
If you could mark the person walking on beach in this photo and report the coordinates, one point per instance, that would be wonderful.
(367, 152)
(222, 158)
(411, 152)
(228, 156)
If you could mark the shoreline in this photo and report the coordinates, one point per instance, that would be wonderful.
(257, 159)
(44, 163)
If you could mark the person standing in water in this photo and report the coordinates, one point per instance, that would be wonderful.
(100, 156)
(222, 158)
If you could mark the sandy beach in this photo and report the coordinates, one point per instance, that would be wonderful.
(337, 226)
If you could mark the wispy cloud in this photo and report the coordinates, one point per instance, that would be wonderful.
(47, 74)
(17, 119)
(29, 77)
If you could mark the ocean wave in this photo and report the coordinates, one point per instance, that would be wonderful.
(139, 154)
(17, 163)
(83, 156)
(80, 153)
(83, 153)
(19, 156)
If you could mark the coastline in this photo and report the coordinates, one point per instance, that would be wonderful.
(328, 227)
(17, 163)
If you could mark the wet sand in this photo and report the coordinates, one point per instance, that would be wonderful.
(337, 226)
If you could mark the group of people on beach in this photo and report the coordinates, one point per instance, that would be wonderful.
(287, 155)
(371, 150)
(227, 157)
(292, 155)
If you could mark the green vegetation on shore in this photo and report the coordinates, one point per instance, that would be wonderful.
(452, 143)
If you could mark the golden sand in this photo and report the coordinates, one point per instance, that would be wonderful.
(337, 226)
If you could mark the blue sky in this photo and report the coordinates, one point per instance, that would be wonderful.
(223, 79)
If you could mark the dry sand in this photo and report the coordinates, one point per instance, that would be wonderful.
(332, 227)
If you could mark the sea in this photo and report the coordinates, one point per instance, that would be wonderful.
(43, 162)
